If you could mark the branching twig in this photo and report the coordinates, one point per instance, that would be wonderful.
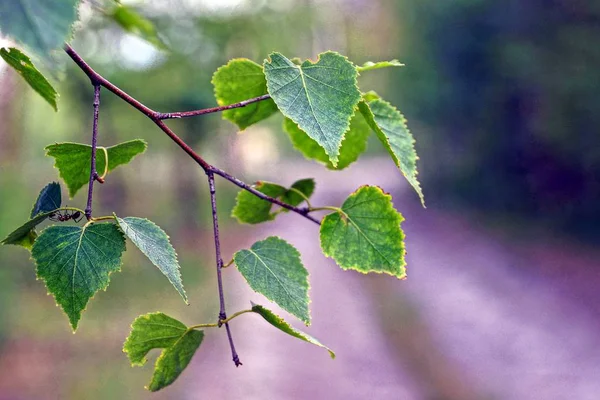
(93, 173)
(222, 313)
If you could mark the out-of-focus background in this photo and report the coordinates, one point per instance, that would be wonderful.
(502, 299)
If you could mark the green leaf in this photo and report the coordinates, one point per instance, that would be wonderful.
(249, 209)
(369, 65)
(280, 324)
(73, 160)
(38, 82)
(365, 234)
(299, 192)
(159, 331)
(76, 262)
(390, 127)
(48, 200)
(353, 145)
(272, 267)
(154, 243)
(40, 25)
(320, 97)
(134, 23)
(242, 79)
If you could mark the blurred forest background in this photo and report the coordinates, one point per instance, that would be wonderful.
(502, 296)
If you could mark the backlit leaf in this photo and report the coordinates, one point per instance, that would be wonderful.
(283, 326)
(135, 23)
(154, 243)
(38, 82)
(365, 235)
(242, 79)
(369, 65)
(320, 97)
(75, 262)
(159, 331)
(73, 160)
(272, 267)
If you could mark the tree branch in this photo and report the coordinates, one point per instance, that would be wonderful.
(186, 114)
(93, 173)
(222, 313)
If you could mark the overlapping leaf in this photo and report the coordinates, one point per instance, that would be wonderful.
(353, 145)
(370, 65)
(272, 267)
(391, 129)
(283, 326)
(73, 160)
(159, 331)
(155, 244)
(365, 234)
(250, 209)
(48, 200)
(320, 97)
(242, 79)
(40, 25)
(76, 262)
(38, 82)
(135, 23)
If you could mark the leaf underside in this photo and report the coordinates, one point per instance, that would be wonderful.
(272, 267)
(365, 235)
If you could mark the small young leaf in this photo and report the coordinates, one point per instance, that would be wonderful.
(353, 145)
(48, 200)
(365, 234)
(38, 82)
(390, 126)
(280, 324)
(369, 65)
(73, 160)
(320, 97)
(154, 243)
(159, 331)
(41, 25)
(132, 22)
(249, 209)
(272, 267)
(242, 79)
(299, 192)
(76, 262)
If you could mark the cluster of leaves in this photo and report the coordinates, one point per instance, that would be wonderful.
(327, 118)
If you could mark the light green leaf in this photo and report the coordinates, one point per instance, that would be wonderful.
(73, 160)
(272, 267)
(249, 209)
(40, 25)
(280, 324)
(391, 129)
(369, 65)
(48, 200)
(38, 82)
(159, 331)
(242, 79)
(154, 243)
(76, 262)
(299, 192)
(320, 97)
(365, 234)
(133, 22)
(353, 145)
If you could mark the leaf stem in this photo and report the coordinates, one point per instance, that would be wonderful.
(228, 264)
(105, 218)
(101, 178)
(216, 325)
(299, 193)
(93, 173)
(222, 314)
(329, 208)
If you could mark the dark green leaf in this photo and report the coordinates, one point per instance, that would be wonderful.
(133, 22)
(48, 200)
(365, 234)
(40, 25)
(76, 262)
(280, 324)
(25, 235)
(242, 79)
(320, 97)
(299, 192)
(390, 126)
(159, 331)
(369, 65)
(155, 245)
(38, 82)
(353, 145)
(249, 209)
(73, 160)
(272, 267)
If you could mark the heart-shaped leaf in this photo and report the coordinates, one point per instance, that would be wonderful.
(320, 97)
